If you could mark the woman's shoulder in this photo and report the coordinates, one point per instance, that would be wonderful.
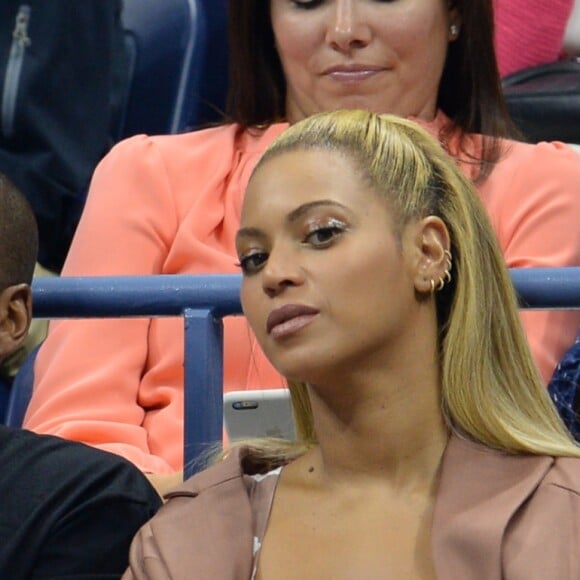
(240, 466)
(552, 159)
(526, 501)
(545, 151)
(557, 494)
(565, 476)
(535, 172)
(220, 496)
(198, 159)
(223, 471)
(205, 518)
(543, 538)
(216, 140)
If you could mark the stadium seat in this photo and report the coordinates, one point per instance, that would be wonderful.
(214, 72)
(178, 64)
(21, 391)
(5, 388)
(544, 101)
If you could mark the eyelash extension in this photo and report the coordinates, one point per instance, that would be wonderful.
(335, 227)
(244, 263)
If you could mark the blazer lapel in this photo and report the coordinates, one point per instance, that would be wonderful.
(225, 515)
(479, 492)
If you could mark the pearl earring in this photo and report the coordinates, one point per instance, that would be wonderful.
(454, 30)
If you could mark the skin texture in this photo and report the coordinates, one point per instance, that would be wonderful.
(314, 233)
(301, 253)
(386, 57)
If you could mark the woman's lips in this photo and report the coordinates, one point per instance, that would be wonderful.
(356, 73)
(289, 319)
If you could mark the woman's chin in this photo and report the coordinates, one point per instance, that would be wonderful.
(305, 373)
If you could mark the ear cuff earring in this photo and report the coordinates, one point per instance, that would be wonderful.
(446, 278)
(447, 273)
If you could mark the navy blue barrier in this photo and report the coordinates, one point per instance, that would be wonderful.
(203, 301)
(548, 288)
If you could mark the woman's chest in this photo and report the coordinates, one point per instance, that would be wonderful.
(348, 542)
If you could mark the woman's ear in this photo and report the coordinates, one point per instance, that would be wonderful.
(432, 244)
(15, 317)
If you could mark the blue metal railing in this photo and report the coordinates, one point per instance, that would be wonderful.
(203, 301)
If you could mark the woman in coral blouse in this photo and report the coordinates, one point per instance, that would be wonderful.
(171, 204)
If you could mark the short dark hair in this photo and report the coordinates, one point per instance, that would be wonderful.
(470, 91)
(18, 236)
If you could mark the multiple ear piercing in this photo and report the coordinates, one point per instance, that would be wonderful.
(446, 278)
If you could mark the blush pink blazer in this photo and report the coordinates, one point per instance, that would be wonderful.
(496, 517)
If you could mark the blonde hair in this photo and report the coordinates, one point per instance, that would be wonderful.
(491, 390)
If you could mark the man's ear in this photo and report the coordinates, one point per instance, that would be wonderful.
(432, 242)
(15, 317)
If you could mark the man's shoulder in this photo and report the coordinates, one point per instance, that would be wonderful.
(24, 444)
(62, 501)
(32, 460)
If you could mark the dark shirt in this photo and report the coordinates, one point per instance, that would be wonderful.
(564, 388)
(67, 510)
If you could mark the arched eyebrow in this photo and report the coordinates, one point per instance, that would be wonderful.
(297, 213)
(250, 233)
(293, 216)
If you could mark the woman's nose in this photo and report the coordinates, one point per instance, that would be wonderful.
(347, 28)
(281, 272)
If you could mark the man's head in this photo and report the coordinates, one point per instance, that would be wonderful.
(18, 253)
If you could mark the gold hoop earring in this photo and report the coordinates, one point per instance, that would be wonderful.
(432, 283)
(447, 273)
(440, 284)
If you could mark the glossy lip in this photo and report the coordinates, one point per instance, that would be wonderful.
(353, 72)
(299, 313)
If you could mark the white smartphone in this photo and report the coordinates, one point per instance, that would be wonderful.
(250, 414)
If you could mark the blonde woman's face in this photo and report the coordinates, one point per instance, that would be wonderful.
(383, 56)
(328, 285)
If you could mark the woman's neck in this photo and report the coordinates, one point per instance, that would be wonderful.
(381, 428)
